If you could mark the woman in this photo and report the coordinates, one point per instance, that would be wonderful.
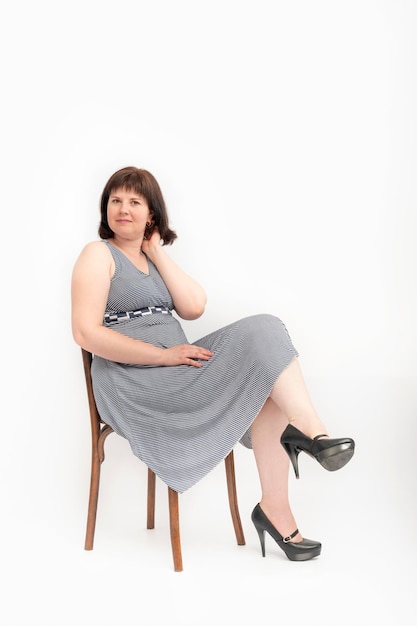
(184, 406)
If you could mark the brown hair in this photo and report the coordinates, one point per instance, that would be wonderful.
(145, 184)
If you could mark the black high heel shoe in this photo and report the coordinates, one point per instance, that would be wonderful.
(302, 551)
(332, 454)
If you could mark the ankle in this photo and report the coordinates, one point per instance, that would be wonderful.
(309, 427)
(281, 518)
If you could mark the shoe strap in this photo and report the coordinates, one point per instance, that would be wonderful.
(319, 436)
(287, 539)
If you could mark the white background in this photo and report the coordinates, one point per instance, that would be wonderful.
(283, 135)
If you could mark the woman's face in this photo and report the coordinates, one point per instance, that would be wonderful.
(127, 214)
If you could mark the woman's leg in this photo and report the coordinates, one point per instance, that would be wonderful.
(290, 394)
(273, 465)
(289, 401)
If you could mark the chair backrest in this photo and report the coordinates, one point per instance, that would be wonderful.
(95, 418)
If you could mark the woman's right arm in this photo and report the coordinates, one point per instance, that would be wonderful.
(90, 287)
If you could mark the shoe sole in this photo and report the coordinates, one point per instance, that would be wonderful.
(335, 458)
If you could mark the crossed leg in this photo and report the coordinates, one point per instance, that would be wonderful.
(289, 402)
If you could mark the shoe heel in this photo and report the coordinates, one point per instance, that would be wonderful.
(293, 453)
(261, 535)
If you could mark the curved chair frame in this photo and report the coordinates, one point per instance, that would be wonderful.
(99, 433)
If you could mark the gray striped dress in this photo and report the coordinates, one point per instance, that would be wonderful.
(181, 421)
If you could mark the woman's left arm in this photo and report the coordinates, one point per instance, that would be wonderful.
(188, 296)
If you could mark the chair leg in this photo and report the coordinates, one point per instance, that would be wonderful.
(150, 523)
(92, 502)
(174, 525)
(97, 458)
(232, 492)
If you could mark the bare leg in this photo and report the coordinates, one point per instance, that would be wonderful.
(291, 396)
(273, 464)
(289, 401)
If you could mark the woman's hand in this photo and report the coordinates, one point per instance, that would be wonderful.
(186, 354)
(150, 243)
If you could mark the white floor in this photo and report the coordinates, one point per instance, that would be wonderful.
(365, 516)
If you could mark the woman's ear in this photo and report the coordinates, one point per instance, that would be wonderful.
(150, 226)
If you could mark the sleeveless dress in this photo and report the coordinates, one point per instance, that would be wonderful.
(181, 421)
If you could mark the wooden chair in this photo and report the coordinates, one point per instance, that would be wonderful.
(99, 432)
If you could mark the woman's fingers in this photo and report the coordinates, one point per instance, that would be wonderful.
(187, 354)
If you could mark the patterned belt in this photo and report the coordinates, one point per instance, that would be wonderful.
(113, 318)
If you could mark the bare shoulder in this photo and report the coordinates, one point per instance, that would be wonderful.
(95, 251)
(96, 248)
(94, 257)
